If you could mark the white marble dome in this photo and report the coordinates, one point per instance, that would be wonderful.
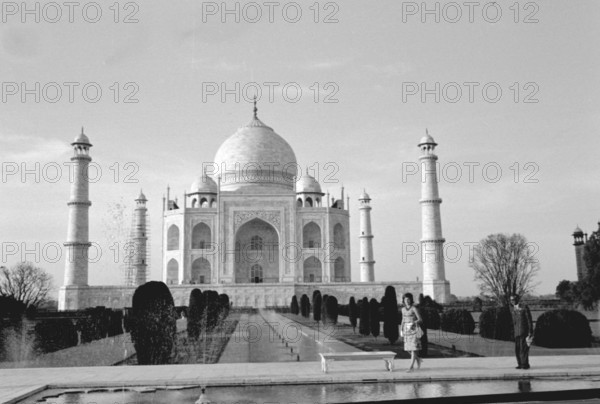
(308, 184)
(256, 158)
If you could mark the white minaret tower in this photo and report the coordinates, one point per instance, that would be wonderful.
(140, 240)
(432, 241)
(367, 264)
(77, 244)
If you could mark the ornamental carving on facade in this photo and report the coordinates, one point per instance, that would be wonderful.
(270, 216)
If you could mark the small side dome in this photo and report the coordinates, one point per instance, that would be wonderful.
(427, 139)
(364, 196)
(204, 185)
(308, 184)
(142, 197)
(81, 139)
(577, 231)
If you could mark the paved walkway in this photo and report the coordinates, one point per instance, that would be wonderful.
(17, 384)
(270, 337)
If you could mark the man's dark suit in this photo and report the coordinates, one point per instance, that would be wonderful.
(523, 327)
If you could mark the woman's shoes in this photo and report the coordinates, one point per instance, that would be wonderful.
(409, 370)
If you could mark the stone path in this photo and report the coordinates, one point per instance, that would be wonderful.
(270, 337)
(16, 384)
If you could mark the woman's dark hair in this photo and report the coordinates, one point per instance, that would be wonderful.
(410, 296)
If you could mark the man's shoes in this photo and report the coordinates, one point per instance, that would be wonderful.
(519, 367)
(525, 367)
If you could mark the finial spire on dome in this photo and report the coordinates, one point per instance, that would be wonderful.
(255, 109)
(82, 131)
(427, 131)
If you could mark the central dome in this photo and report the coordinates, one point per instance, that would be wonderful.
(255, 159)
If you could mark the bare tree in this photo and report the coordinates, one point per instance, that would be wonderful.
(26, 283)
(505, 265)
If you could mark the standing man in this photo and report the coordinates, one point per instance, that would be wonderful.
(523, 328)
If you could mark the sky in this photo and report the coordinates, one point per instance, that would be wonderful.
(507, 89)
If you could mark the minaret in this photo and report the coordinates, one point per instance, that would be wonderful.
(77, 244)
(579, 244)
(367, 264)
(140, 240)
(432, 241)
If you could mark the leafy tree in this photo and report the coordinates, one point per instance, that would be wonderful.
(588, 289)
(364, 327)
(374, 317)
(390, 315)
(26, 283)
(353, 313)
(505, 265)
(568, 291)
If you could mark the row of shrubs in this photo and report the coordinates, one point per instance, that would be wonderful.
(560, 328)
(371, 313)
(153, 316)
(19, 326)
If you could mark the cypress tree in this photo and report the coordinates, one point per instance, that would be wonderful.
(390, 315)
(374, 317)
(332, 309)
(317, 307)
(324, 309)
(352, 313)
(294, 309)
(363, 309)
(195, 311)
(304, 306)
(153, 325)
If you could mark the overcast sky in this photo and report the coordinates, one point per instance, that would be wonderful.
(378, 69)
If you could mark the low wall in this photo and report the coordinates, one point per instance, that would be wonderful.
(240, 295)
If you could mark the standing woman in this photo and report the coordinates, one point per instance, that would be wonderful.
(410, 327)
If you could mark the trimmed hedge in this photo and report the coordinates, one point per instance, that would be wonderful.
(55, 334)
(153, 323)
(458, 321)
(496, 323)
(563, 329)
(431, 317)
(364, 327)
(391, 315)
(294, 308)
(332, 309)
(353, 313)
(195, 314)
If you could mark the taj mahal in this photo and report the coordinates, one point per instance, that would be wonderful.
(256, 227)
